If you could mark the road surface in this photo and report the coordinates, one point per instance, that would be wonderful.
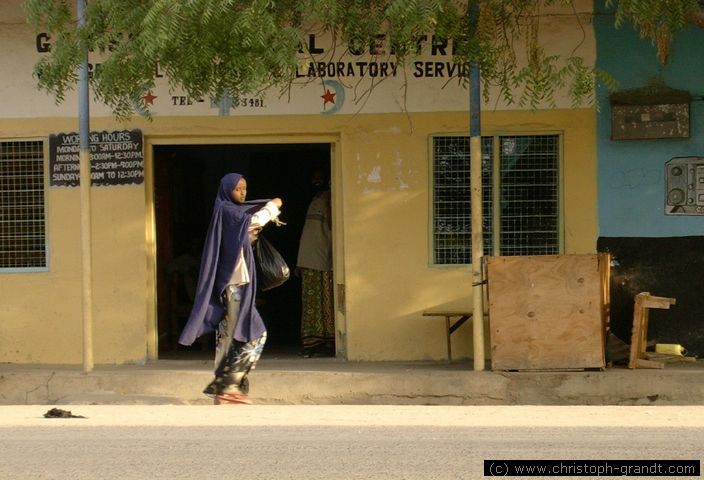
(329, 442)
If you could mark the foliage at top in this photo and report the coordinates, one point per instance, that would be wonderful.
(659, 20)
(210, 48)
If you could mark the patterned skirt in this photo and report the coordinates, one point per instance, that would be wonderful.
(318, 315)
(233, 360)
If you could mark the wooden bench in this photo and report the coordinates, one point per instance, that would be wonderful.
(461, 316)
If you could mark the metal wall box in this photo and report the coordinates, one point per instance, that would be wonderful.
(643, 122)
(548, 312)
(684, 186)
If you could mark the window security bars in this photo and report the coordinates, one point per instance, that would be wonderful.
(530, 195)
(527, 220)
(22, 221)
(452, 209)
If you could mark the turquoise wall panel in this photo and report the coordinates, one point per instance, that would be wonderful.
(631, 173)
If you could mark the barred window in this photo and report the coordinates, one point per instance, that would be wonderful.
(22, 220)
(452, 206)
(520, 213)
(530, 195)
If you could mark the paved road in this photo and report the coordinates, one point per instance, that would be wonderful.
(329, 442)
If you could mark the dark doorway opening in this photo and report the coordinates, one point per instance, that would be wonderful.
(186, 179)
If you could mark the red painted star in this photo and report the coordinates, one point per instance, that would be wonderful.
(149, 98)
(329, 97)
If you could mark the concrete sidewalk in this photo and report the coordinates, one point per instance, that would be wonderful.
(332, 381)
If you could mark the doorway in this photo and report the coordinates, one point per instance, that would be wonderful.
(186, 179)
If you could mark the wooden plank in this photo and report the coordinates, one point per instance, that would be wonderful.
(449, 338)
(546, 312)
(605, 276)
(658, 302)
(643, 363)
(460, 321)
(667, 358)
(443, 313)
(637, 334)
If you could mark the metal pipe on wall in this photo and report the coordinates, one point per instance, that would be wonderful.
(477, 249)
(85, 187)
(475, 148)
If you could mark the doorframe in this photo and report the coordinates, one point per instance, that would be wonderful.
(336, 178)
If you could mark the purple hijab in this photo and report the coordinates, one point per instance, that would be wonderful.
(227, 235)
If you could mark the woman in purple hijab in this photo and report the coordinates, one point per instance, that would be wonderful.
(227, 284)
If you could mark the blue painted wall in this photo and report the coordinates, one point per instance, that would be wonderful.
(631, 172)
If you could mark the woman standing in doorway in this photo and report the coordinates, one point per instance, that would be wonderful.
(314, 265)
(227, 284)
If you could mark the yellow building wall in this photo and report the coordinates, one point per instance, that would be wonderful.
(381, 171)
(388, 277)
(41, 315)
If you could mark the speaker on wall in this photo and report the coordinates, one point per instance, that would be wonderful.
(684, 186)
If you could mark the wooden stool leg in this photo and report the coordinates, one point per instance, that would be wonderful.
(636, 331)
(449, 339)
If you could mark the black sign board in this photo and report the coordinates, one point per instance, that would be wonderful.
(116, 158)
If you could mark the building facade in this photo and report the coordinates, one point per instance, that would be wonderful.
(395, 147)
(650, 223)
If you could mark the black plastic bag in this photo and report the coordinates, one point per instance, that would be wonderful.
(272, 269)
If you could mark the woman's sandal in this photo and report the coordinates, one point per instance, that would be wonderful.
(232, 399)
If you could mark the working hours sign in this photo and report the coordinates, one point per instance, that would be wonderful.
(116, 158)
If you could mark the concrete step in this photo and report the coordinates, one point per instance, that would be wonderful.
(337, 382)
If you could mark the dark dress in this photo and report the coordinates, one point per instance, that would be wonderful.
(240, 347)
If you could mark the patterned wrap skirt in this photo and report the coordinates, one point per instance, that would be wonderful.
(233, 359)
(318, 313)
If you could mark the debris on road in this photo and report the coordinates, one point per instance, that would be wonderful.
(58, 413)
